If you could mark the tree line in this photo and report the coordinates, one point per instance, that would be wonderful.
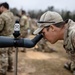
(66, 14)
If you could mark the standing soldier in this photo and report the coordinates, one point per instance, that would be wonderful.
(29, 23)
(6, 28)
(23, 25)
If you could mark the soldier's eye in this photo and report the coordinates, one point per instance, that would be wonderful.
(47, 28)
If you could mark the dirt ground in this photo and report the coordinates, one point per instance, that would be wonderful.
(39, 63)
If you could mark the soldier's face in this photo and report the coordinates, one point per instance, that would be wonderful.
(51, 34)
(1, 9)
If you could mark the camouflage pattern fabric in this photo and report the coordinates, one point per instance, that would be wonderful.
(69, 41)
(6, 23)
(23, 26)
(6, 28)
(3, 60)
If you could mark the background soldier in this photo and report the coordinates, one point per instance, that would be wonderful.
(29, 24)
(24, 26)
(6, 28)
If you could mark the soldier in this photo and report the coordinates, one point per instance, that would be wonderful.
(29, 24)
(6, 28)
(24, 26)
(54, 28)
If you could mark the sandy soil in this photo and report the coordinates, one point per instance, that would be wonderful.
(39, 63)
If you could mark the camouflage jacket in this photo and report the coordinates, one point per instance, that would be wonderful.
(6, 23)
(69, 37)
(23, 22)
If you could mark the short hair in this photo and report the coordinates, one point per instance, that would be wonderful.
(0, 4)
(5, 4)
(23, 12)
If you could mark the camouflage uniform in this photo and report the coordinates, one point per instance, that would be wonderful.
(69, 42)
(6, 28)
(24, 27)
(29, 27)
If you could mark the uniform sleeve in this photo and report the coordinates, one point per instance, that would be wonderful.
(22, 22)
(73, 39)
(1, 23)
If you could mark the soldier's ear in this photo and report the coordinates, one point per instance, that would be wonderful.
(52, 27)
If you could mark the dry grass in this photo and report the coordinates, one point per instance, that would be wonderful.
(39, 63)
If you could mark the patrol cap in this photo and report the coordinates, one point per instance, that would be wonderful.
(47, 19)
